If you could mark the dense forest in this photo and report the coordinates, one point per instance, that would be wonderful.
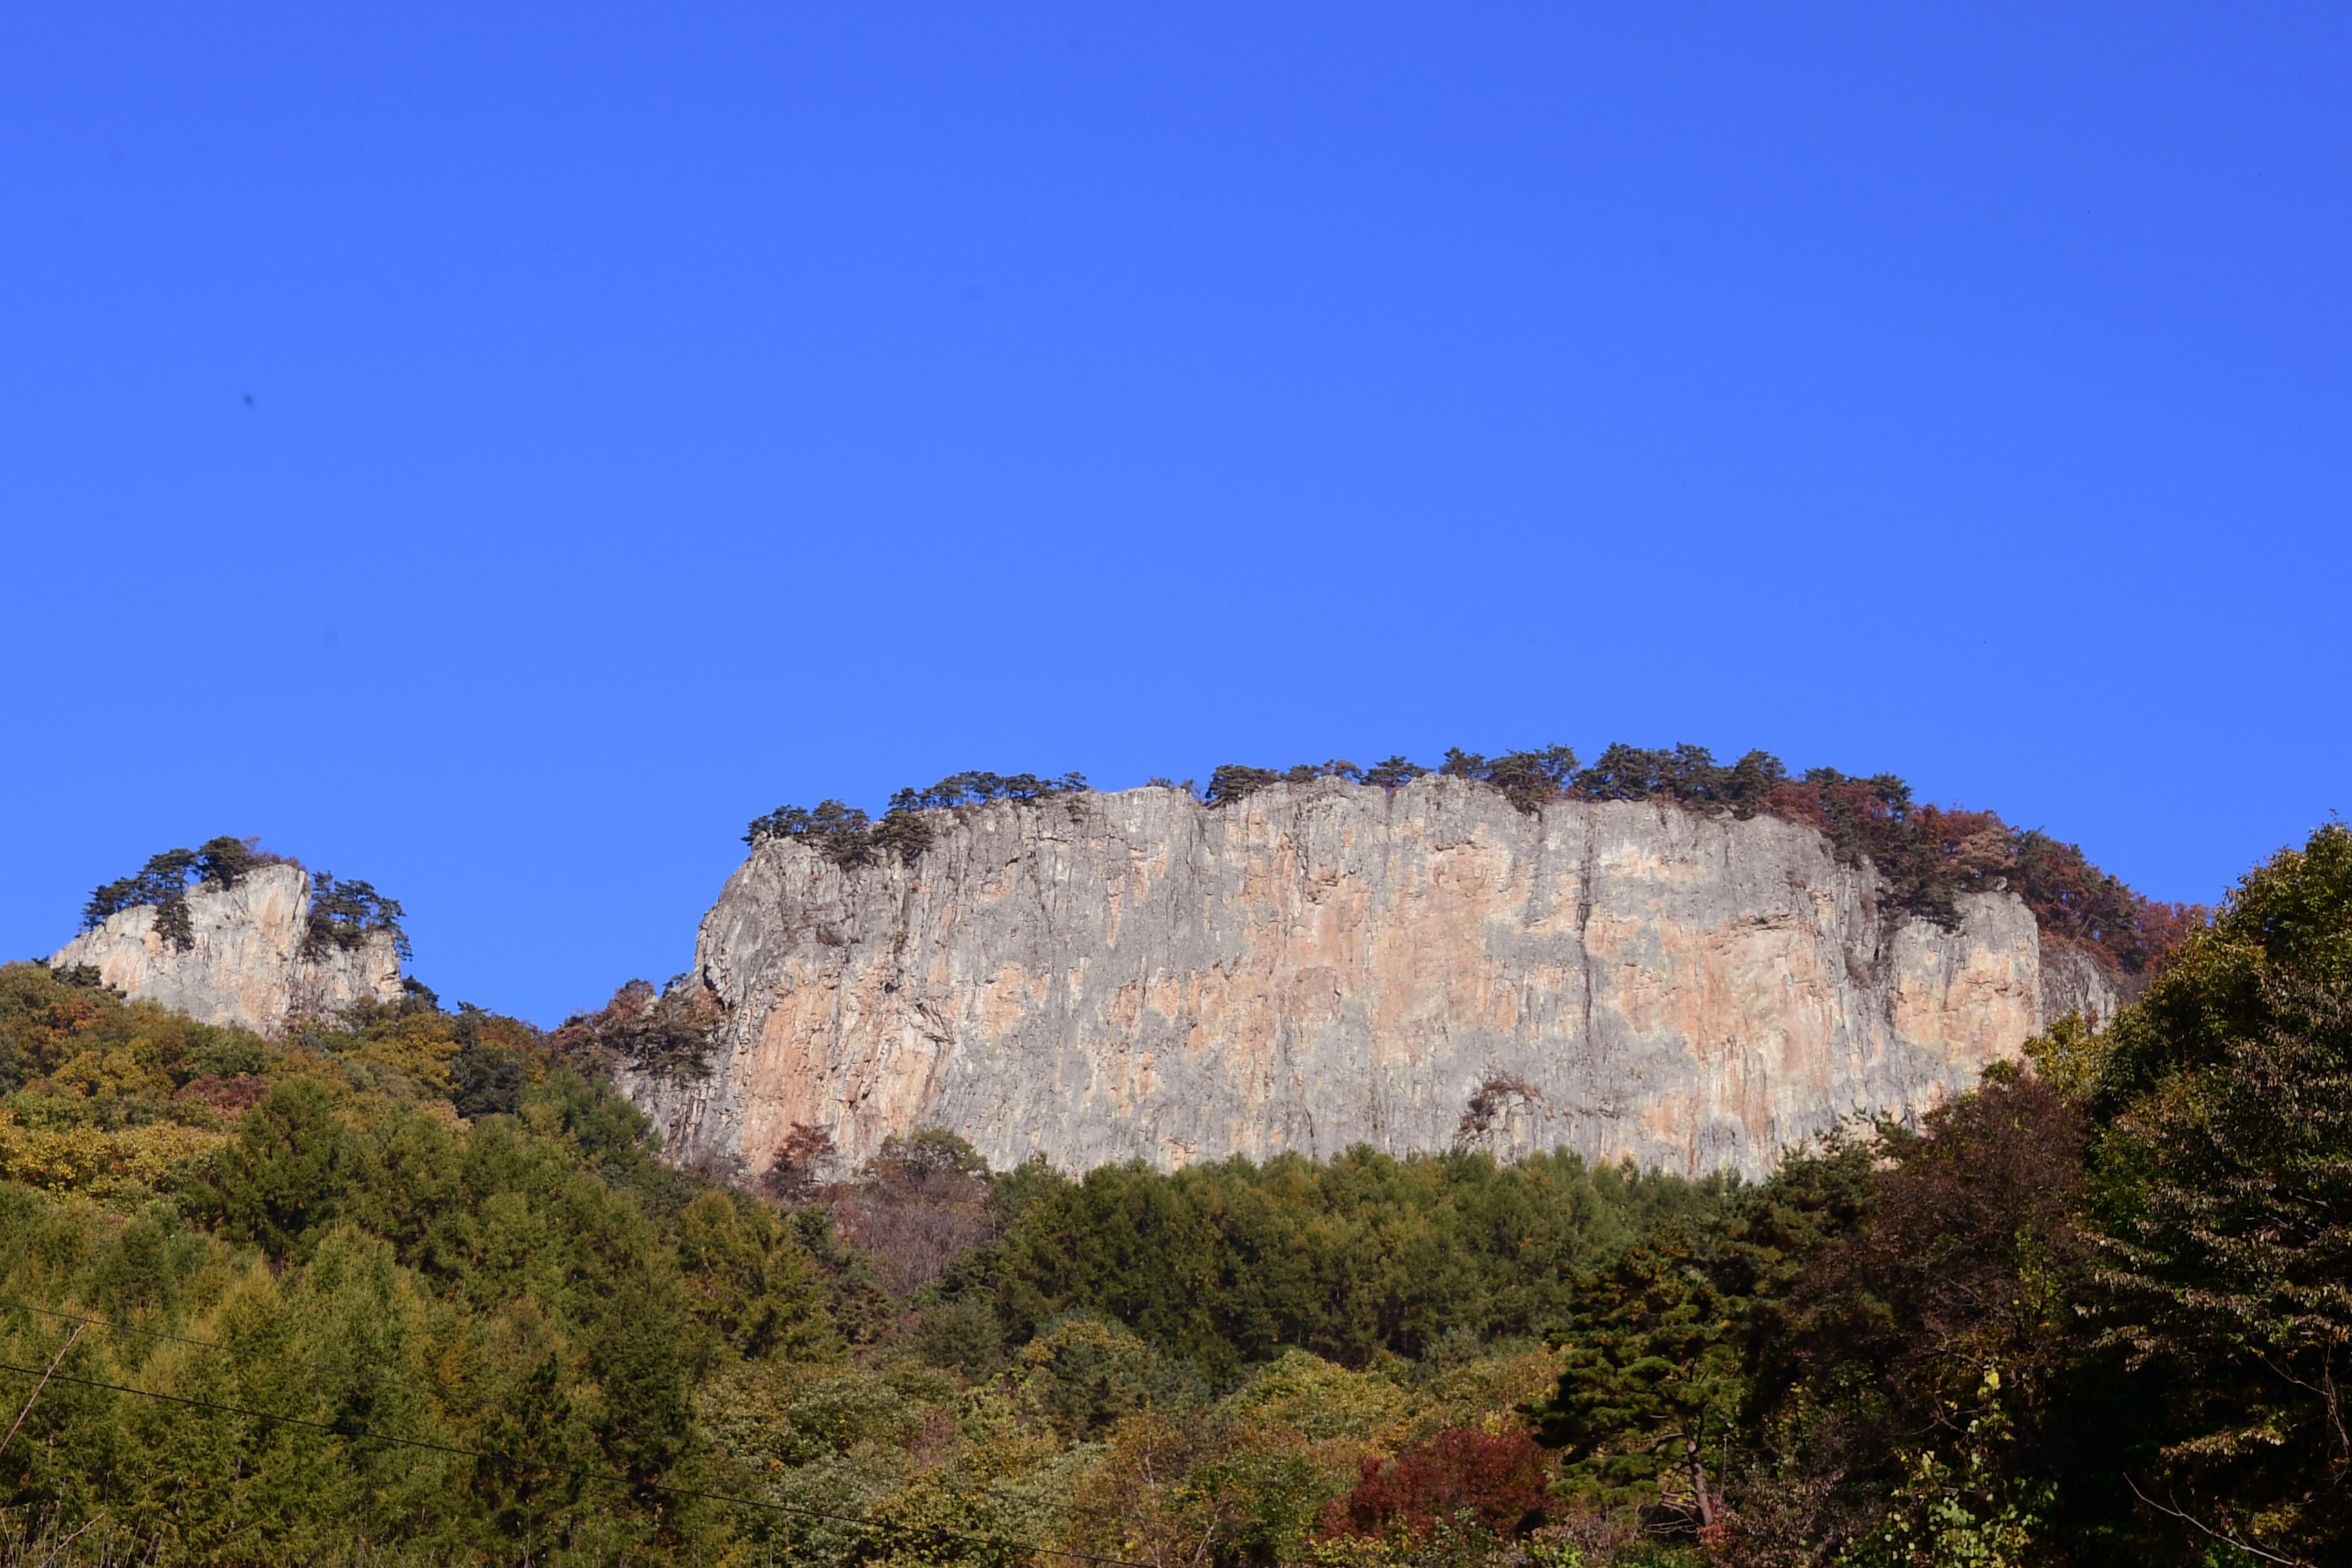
(1925, 857)
(412, 1284)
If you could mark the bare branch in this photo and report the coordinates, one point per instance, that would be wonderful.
(2217, 1535)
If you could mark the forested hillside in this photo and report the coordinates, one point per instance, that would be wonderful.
(413, 1285)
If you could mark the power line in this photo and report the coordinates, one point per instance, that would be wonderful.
(56, 1361)
(436, 1392)
(333, 1429)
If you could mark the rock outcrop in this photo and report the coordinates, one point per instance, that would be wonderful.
(247, 964)
(2074, 981)
(1109, 977)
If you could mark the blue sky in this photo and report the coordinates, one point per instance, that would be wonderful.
(660, 414)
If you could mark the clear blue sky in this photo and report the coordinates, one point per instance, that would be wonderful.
(661, 413)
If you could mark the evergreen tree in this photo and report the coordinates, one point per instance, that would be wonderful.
(1653, 1381)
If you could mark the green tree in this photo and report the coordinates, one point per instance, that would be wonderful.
(290, 1172)
(1923, 1355)
(749, 1278)
(1083, 1375)
(1526, 779)
(1393, 774)
(344, 913)
(1653, 1380)
(2227, 1209)
(642, 1360)
(1230, 782)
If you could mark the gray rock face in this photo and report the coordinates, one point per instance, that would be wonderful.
(247, 965)
(2072, 982)
(1112, 977)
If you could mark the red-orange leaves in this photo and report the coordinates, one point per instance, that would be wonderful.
(1494, 1477)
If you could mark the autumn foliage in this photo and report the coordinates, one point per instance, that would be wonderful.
(416, 1279)
(1495, 1479)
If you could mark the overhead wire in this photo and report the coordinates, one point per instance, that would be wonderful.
(345, 1430)
(113, 1327)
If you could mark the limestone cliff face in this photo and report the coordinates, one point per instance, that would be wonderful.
(247, 965)
(1107, 977)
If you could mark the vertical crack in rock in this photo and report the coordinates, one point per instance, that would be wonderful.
(1598, 1106)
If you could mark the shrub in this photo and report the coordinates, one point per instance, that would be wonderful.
(667, 1034)
(964, 1333)
(1497, 1479)
(1230, 782)
(1321, 1398)
(1231, 1263)
(290, 1172)
(343, 914)
(487, 1079)
(1926, 856)
(800, 1166)
(1686, 774)
(2225, 1176)
(916, 1205)
(903, 834)
(1083, 1375)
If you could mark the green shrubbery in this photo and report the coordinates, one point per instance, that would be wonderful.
(532, 1285)
(980, 789)
(666, 1032)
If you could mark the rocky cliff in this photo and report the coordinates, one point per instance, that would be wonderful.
(1109, 977)
(247, 965)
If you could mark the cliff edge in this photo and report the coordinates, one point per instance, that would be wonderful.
(247, 961)
(1105, 977)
